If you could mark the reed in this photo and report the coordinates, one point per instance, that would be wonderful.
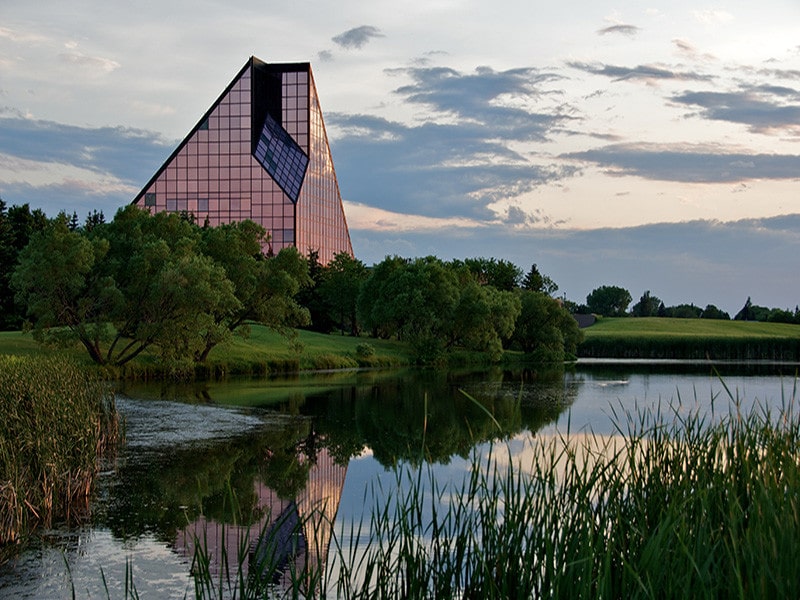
(675, 504)
(56, 419)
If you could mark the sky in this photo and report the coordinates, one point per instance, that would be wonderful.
(649, 145)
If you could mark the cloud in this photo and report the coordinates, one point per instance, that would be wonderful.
(647, 73)
(357, 37)
(704, 262)
(460, 158)
(56, 167)
(629, 30)
(764, 109)
(689, 163)
(94, 63)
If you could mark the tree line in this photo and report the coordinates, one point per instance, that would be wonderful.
(162, 283)
(613, 301)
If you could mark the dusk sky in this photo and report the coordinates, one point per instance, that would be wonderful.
(655, 146)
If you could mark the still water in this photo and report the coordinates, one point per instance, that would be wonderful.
(277, 448)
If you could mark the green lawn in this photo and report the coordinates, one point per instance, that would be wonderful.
(653, 337)
(691, 328)
(264, 351)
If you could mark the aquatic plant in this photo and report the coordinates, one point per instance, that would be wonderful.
(56, 419)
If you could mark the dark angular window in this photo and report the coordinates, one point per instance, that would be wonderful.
(149, 200)
(282, 157)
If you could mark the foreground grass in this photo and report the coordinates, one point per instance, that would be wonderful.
(652, 337)
(677, 505)
(56, 419)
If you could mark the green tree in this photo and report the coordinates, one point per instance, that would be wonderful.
(339, 288)
(134, 284)
(545, 328)
(647, 306)
(375, 308)
(500, 274)
(538, 282)
(712, 312)
(482, 318)
(609, 301)
(683, 311)
(264, 288)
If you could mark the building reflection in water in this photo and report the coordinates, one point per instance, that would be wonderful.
(291, 538)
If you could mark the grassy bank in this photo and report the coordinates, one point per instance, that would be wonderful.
(694, 339)
(263, 352)
(56, 419)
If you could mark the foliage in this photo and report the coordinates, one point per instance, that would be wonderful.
(264, 288)
(500, 274)
(339, 288)
(712, 312)
(647, 306)
(538, 282)
(544, 328)
(56, 420)
(154, 282)
(436, 307)
(609, 301)
(17, 225)
(681, 311)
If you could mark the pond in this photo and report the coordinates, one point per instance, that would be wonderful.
(201, 459)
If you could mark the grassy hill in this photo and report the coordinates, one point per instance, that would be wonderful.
(653, 337)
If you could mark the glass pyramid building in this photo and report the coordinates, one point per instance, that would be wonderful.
(261, 153)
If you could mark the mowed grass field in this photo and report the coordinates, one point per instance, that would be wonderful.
(655, 337)
(661, 327)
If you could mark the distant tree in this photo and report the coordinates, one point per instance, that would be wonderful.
(311, 299)
(647, 306)
(778, 315)
(662, 310)
(609, 301)
(17, 224)
(683, 311)
(501, 274)
(746, 313)
(93, 219)
(537, 282)
(73, 223)
(712, 312)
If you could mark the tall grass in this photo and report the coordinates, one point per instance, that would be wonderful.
(676, 504)
(56, 419)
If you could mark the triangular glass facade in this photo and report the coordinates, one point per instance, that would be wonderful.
(260, 152)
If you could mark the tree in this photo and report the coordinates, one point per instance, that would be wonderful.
(537, 282)
(712, 312)
(482, 318)
(746, 313)
(683, 311)
(545, 328)
(264, 288)
(339, 288)
(131, 285)
(501, 274)
(647, 306)
(609, 301)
